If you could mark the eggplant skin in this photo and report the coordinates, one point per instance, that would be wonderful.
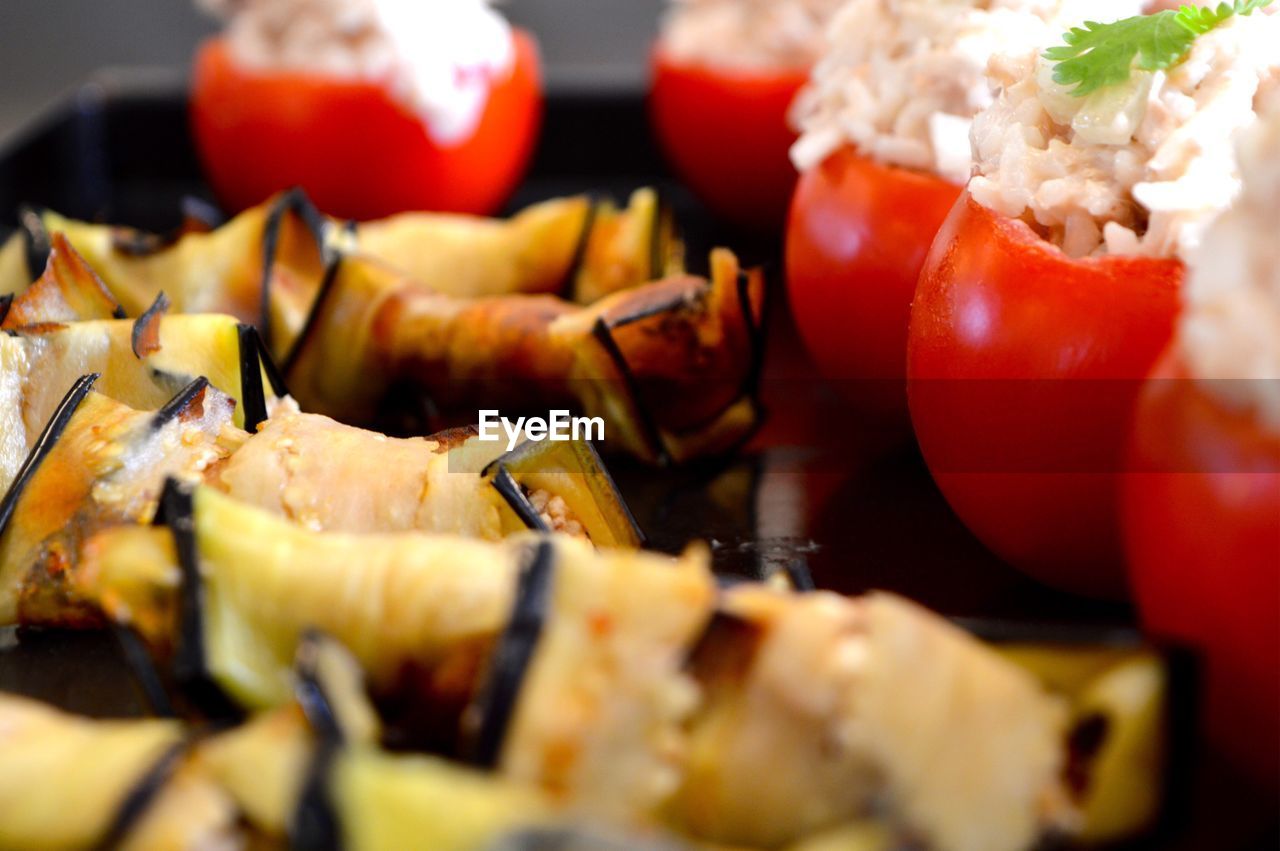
(510, 659)
(146, 328)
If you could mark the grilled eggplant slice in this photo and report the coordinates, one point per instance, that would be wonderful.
(384, 803)
(862, 704)
(72, 783)
(393, 599)
(344, 793)
(575, 247)
(569, 488)
(38, 363)
(669, 366)
(100, 464)
(262, 764)
(603, 702)
(220, 271)
(623, 248)
(67, 291)
(1117, 762)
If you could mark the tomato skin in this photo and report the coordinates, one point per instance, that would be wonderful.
(1201, 509)
(1023, 368)
(857, 237)
(725, 132)
(358, 152)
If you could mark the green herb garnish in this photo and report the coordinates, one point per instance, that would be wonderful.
(1099, 55)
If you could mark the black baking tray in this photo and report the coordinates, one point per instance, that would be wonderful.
(118, 149)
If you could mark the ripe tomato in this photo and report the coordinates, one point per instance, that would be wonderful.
(1201, 508)
(856, 239)
(1023, 367)
(357, 151)
(725, 132)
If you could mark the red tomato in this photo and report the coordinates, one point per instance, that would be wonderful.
(725, 131)
(357, 151)
(857, 237)
(1202, 532)
(1023, 368)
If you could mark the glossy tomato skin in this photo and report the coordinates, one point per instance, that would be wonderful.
(1023, 368)
(725, 132)
(857, 238)
(1201, 508)
(358, 152)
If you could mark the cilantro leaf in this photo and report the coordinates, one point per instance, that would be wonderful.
(1096, 55)
(1202, 19)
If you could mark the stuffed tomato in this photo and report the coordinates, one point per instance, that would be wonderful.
(883, 156)
(723, 76)
(1054, 286)
(372, 106)
(1201, 495)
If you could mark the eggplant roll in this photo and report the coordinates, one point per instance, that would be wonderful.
(38, 363)
(626, 687)
(101, 463)
(266, 265)
(670, 366)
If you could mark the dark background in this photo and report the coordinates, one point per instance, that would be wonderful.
(46, 46)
